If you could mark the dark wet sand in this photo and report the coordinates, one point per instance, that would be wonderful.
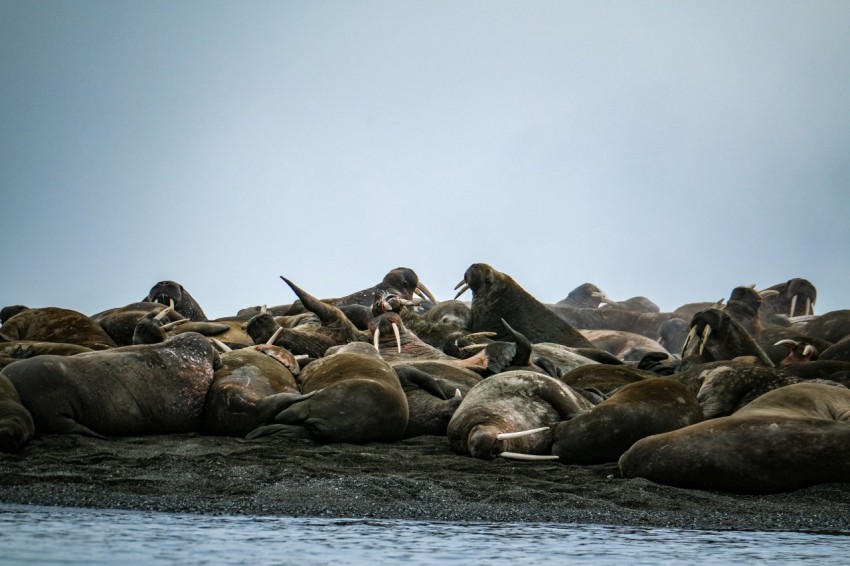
(418, 479)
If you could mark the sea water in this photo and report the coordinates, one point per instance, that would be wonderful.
(57, 535)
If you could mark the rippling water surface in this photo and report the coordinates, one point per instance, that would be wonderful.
(53, 535)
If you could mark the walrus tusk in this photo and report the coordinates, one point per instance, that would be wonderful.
(768, 293)
(532, 457)
(786, 342)
(263, 309)
(809, 306)
(376, 338)
(221, 345)
(691, 334)
(277, 332)
(174, 324)
(472, 347)
(463, 290)
(808, 350)
(520, 434)
(421, 290)
(397, 337)
(706, 332)
(793, 305)
(482, 334)
(162, 313)
(457, 392)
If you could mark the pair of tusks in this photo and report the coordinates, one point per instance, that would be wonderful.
(807, 351)
(225, 348)
(463, 290)
(520, 455)
(423, 292)
(794, 305)
(376, 338)
(706, 332)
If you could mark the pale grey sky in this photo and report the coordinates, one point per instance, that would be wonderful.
(668, 149)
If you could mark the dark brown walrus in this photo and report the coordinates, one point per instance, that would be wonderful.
(127, 391)
(634, 411)
(351, 395)
(55, 324)
(792, 437)
(252, 385)
(16, 425)
(496, 296)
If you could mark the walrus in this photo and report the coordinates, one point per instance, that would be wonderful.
(250, 388)
(585, 296)
(126, 391)
(23, 349)
(55, 324)
(16, 425)
(496, 296)
(795, 297)
(511, 402)
(831, 326)
(716, 336)
(401, 280)
(789, 438)
(166, 292)
(626, 346)
(335, 328)
(634, 411)
(430, 400)
(353, 396)
(643, 323)
(120, 323)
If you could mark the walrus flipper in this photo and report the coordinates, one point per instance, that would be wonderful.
(289, 431)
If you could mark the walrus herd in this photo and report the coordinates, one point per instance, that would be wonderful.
(747, 394)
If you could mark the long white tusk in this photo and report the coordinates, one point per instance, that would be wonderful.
(808, 306)
(277, 332)
(397, 337)
(706, 332)
(808, 350)
(457, 393)
(793, 305)
(423, 290)
(531, 457)
(375, 339)
(221, 345)
(691, 334)
(174, 324)
(786, 342)
(162, 313)
(520, 434)
(171, 303)
(263, 309)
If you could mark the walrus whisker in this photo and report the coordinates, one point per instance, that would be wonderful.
(793, 305)
(277, 332)
(521, 433)
(530, 457)
(397, 337)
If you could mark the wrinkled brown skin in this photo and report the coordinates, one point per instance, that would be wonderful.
(634, 411)
(16, 425)
(184, 303)
(743, 306)
(792, 437)
(496, 296)
(510, 402)
(831, 326)
(23, 349)
(128, 391)
(603, 377)
(252, 386)
(643, 323)
(627, 346)
(54, 324)
(356, 397)
(431, 400)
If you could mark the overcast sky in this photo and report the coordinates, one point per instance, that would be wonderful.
(667, 149)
